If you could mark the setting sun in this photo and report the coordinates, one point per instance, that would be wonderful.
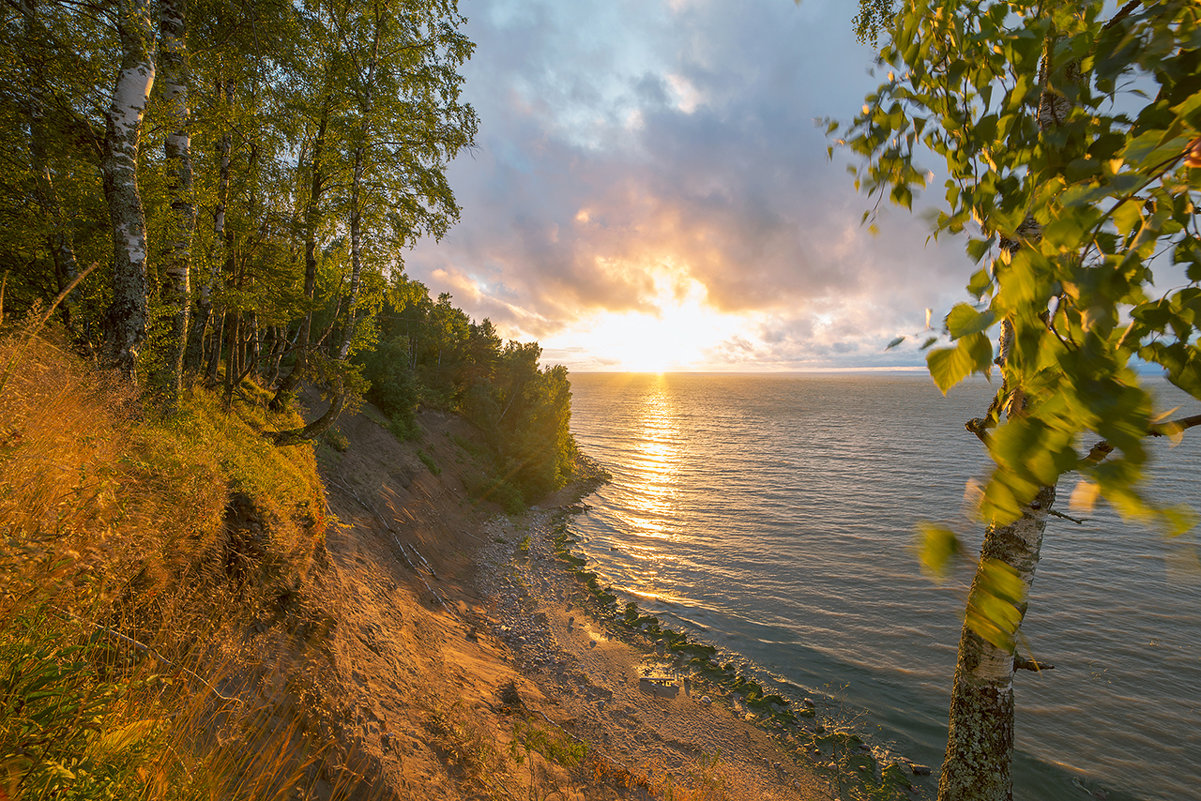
(678, 335)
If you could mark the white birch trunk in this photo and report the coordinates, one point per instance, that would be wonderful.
(979, 752)
(978, 762)
(356, 194)
(173, 83)
(126, 318)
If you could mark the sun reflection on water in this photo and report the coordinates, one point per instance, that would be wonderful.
(656, 459)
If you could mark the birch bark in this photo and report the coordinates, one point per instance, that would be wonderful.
(173, 63)
(977, 765)
(126, 317)
(356, 193)
(979, 751)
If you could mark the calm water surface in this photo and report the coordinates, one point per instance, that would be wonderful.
(774, 516)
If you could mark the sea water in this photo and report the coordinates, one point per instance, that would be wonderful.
(774, 516)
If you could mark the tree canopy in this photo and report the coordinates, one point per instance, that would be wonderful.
(1068, 140)
(246, 178)
(1067, 134)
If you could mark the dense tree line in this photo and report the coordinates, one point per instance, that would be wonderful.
(246, 178)
(430, 353)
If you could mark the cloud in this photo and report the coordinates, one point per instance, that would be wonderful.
(626, 145)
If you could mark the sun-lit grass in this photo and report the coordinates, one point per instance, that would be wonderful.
(128, 581)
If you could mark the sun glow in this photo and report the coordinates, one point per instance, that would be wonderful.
(677, 335)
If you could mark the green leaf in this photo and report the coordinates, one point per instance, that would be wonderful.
(894, 343)
(994, 607)
(937, 546)
(949, 366)
(1127, 215)
(980, 282)
(1064, 233)
(1178, 520)
(976, 248)
(964, 320)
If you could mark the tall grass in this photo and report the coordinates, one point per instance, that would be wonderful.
(136, 553)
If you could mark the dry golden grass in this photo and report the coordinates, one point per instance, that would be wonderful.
(128, 581)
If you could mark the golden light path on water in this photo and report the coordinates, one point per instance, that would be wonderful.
(656, 460)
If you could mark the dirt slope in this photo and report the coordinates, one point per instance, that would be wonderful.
(463, 663)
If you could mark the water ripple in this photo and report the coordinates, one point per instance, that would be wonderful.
(776, 513)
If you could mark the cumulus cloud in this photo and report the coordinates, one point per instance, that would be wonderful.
(627, 146)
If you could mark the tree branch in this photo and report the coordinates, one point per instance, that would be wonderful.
(1125, 11)
(1030, 664)
(1075, 520)
(1098, 452)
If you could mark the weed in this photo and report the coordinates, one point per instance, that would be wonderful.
(429, 462)
(336, 439)
(466, 745)
(404, 427)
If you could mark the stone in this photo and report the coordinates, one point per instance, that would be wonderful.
(661, 687)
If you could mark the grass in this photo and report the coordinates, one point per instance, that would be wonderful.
(129, 579)
(466, 745)
(429, 462)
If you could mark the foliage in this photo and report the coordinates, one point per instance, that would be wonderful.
(1069, 136)
(345, 115)
(431, 353)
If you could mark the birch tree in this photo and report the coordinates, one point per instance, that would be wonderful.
(126, 319)
(1069, 137)
(178, 151)
(399, 65)
(408, 123)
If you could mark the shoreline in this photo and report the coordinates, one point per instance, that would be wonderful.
(466, 662)
(822, 742)
(813, 735)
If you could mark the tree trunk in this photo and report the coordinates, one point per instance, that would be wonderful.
(979, 752)
(295, 436)
(126, 317)
(978, 762)
(311, 219)
(173, 62)
(356, 253)
(205, 305)
(356, 196)
(233, 333)
(216, 337)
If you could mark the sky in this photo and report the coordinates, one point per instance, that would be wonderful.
(650, 190)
